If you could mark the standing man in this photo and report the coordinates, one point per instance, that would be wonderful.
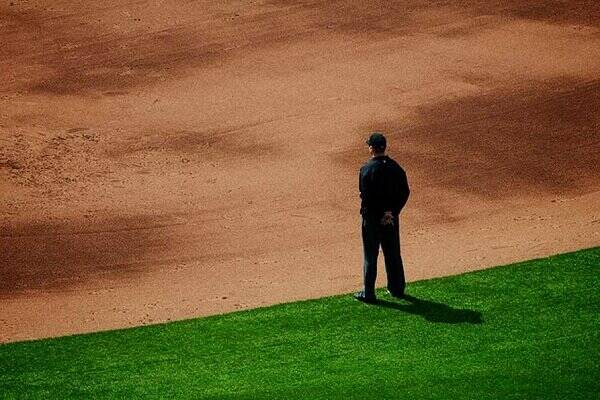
(383, 191)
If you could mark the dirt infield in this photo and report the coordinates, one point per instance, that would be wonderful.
(161, 160)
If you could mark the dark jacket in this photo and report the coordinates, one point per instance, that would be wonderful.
(383, 187)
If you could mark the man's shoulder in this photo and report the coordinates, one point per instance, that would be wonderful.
(381, 162)
(368, 164)
(394, 163)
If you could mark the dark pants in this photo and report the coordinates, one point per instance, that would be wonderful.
(388, 236)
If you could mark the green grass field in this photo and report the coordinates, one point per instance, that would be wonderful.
(527, 331)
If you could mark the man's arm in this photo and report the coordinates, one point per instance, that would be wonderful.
(404, 190)
(364, 186)
(396, 191)
(388, 199)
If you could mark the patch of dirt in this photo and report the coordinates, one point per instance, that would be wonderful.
(58, 256)
(503, 143)
(163, 160)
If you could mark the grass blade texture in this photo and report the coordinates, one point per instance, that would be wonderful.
(528, 330)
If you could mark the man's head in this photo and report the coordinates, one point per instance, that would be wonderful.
(377, 143)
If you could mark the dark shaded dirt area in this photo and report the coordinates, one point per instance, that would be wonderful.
(539, 141)
(58, 256)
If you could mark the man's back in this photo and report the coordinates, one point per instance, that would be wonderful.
(383, 186)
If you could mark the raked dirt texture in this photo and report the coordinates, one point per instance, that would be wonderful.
(164, 159)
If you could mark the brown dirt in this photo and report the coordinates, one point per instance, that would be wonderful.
(161, 160)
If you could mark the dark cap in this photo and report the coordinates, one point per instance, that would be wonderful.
(376, 140)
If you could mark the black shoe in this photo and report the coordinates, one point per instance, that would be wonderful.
(397, 295)
(360, 296)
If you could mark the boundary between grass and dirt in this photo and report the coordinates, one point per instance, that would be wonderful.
(523, 330)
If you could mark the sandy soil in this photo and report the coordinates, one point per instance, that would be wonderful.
(163, 160)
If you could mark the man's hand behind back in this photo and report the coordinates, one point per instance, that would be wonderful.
(387, 219)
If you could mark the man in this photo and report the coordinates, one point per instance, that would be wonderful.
(383, 191)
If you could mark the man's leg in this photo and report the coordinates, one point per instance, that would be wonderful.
(370, 241)
(390, 243)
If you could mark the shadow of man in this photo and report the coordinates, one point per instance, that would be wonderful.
(434, 312)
